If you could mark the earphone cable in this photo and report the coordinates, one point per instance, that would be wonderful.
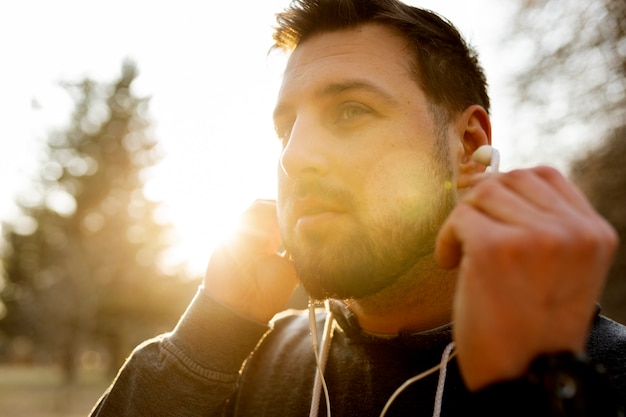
(446, 357)
(321, 357)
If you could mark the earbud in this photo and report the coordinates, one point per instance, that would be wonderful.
(487, 155)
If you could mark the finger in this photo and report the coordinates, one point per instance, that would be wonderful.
(540, 186)
(565, 188)
(448, 250)
(449, 245)
(258, 229)
(510, 205)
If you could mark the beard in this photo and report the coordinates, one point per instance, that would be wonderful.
(376, 247)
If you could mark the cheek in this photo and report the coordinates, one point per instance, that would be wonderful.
(397, 177)
(283, 182)
(284, 187)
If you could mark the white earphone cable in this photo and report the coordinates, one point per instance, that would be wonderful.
(321, 356)
(445, 358)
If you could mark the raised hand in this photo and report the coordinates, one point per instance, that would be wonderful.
(532, 256)
(246, 273)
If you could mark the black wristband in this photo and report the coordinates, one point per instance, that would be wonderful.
(556, 385)
(572, 385)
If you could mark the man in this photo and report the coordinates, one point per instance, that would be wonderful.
(382, 206)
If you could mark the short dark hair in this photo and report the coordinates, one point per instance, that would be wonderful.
(446, 67)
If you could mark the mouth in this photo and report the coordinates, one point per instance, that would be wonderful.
(309, 212)
(311, 207)
(314, 208)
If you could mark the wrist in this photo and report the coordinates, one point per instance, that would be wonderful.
(562, 384)
(572, 385)
(214, 336)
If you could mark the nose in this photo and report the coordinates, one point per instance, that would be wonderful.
(306, 152)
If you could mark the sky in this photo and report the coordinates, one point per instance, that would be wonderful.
(212, 84)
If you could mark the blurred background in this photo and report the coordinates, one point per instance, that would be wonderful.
(133, 134)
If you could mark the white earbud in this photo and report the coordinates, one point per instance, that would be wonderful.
(487, 155)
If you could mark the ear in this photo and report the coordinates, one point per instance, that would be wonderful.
(474, 127)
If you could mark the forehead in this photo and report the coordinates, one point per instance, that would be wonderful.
(371, 53)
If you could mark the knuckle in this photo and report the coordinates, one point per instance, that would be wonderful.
(547, 172)
(611, 235)
(485, 190)
(587, 237)
(518, 174)
(550, 240)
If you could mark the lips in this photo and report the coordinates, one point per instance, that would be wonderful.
(310, 207)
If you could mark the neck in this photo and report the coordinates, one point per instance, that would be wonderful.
(421, 300)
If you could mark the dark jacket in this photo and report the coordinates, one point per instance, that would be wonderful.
(205, 368)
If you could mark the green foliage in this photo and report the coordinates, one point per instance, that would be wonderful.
(89, 274)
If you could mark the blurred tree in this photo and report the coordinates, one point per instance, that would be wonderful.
(572, 74)
(576, 77)
(601, 174)
(83, 263)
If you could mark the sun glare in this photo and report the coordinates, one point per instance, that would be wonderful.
(219, 162)
(211, 102)
(205, 201)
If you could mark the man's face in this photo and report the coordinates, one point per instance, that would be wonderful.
(365, 177)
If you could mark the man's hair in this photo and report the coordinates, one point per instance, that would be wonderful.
(446, 67)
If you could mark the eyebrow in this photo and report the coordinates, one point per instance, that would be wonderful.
(353, 85)
(335, 89)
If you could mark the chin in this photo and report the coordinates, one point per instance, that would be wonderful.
(347, 282)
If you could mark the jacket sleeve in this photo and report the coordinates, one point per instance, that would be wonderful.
(191, 371)
(556, 385)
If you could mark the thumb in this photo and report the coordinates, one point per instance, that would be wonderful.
(448, 249)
